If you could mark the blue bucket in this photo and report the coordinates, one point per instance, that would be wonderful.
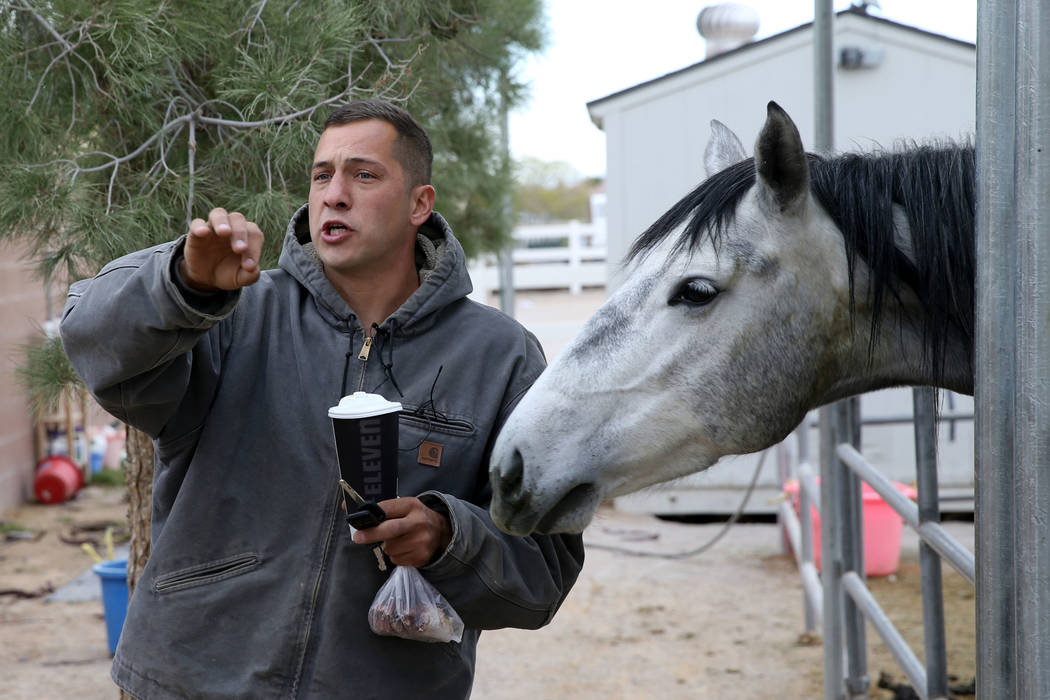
(95, 460)
(114, 577)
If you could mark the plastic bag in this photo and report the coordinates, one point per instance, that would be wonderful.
(408, 606)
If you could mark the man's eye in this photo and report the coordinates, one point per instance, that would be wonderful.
(365, 176)
(321, 177)
(694, 292)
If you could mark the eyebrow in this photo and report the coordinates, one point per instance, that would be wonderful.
(352, 161)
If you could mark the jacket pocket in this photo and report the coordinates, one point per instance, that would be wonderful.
(437, 423)
(438, 453)
(209, 572)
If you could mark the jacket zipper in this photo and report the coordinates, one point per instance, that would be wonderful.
(313, 607)
(366, 350)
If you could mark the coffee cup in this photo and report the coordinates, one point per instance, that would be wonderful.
(366, 433)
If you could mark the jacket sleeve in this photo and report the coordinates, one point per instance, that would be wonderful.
(137, 338)
(493, 579)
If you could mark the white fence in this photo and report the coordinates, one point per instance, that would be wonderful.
(569, 255)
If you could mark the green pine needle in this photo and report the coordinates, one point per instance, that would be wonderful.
(46, 373)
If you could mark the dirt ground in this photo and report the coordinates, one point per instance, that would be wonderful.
(725, 623)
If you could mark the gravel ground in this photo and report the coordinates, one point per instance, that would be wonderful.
(726, 623)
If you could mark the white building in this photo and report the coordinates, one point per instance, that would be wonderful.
(892, 82)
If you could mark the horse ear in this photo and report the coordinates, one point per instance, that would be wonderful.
(783, 172)
(724, 149)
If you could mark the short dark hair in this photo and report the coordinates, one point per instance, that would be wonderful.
(412, 148)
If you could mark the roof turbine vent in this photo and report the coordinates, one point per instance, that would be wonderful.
(726, 26)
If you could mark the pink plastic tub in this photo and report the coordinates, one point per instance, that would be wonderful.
(882, 529)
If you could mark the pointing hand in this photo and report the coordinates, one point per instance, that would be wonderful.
(222, 252)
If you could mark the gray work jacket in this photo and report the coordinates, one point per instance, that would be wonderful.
(254, 587)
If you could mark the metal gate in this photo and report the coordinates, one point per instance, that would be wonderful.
(1012, 388)
(839, 600)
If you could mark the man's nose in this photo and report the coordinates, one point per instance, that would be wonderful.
(337, 194)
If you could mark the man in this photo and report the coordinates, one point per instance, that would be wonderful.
(255, 586)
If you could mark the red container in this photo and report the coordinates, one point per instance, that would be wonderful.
(57, 479)
(882, 528)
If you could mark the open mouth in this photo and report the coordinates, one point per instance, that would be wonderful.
(334, 232)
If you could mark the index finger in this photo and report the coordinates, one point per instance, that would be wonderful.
(238, 231)
(391, 528)
(399, 507)
(200, 228)
(219, 220)
(253, 240)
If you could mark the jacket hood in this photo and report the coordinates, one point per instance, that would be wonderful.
(440, 262)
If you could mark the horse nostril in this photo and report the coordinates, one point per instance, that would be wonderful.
(506, 476)
(512, 474)
(510, 507)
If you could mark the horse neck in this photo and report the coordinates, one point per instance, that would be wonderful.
(895, 360)
(924, 283)
(903, 352)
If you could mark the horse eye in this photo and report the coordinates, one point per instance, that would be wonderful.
(695, 292)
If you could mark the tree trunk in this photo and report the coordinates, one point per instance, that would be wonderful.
(138, 475)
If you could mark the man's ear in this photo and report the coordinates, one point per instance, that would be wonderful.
(422, 204)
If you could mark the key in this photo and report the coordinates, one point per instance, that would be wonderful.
(354, 495)
(368, 513)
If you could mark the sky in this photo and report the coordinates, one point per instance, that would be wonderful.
(598, 47)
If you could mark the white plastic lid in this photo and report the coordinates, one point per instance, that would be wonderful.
(362, 405)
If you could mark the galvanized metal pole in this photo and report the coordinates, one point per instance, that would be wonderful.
(924, 406)
(847, 416)
(823, 76)
(506, 255)
(806, 524)
(995, 353)
(784, 461)
(830, 468)
(831, 557)
(1032, 427)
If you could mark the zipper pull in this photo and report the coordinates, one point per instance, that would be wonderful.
(365, 349)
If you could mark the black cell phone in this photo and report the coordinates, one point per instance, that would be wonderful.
(369, 515)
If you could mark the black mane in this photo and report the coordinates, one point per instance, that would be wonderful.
(932, 184)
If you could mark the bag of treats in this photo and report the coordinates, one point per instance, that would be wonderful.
(407, 606)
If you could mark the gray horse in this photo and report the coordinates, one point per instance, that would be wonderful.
(781, 283)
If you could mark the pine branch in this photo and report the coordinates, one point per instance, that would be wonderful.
(241, 124)
(46, 373)
(158, 127)
(192, 119)
(257, 20)
(178, 85)
(191, 157)
(68, 49)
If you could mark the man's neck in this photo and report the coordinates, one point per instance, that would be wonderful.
(374, 298)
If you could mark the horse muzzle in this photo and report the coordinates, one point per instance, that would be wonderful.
(519, 508)
(539, 469)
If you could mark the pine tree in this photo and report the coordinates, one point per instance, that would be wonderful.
(126, 118)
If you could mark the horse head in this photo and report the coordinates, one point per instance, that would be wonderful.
(738, 315)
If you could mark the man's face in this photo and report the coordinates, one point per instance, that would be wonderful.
(363, 212)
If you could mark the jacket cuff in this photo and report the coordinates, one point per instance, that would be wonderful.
(444, 562)
(213, 306)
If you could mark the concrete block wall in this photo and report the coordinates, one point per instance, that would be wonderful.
(23, 309)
